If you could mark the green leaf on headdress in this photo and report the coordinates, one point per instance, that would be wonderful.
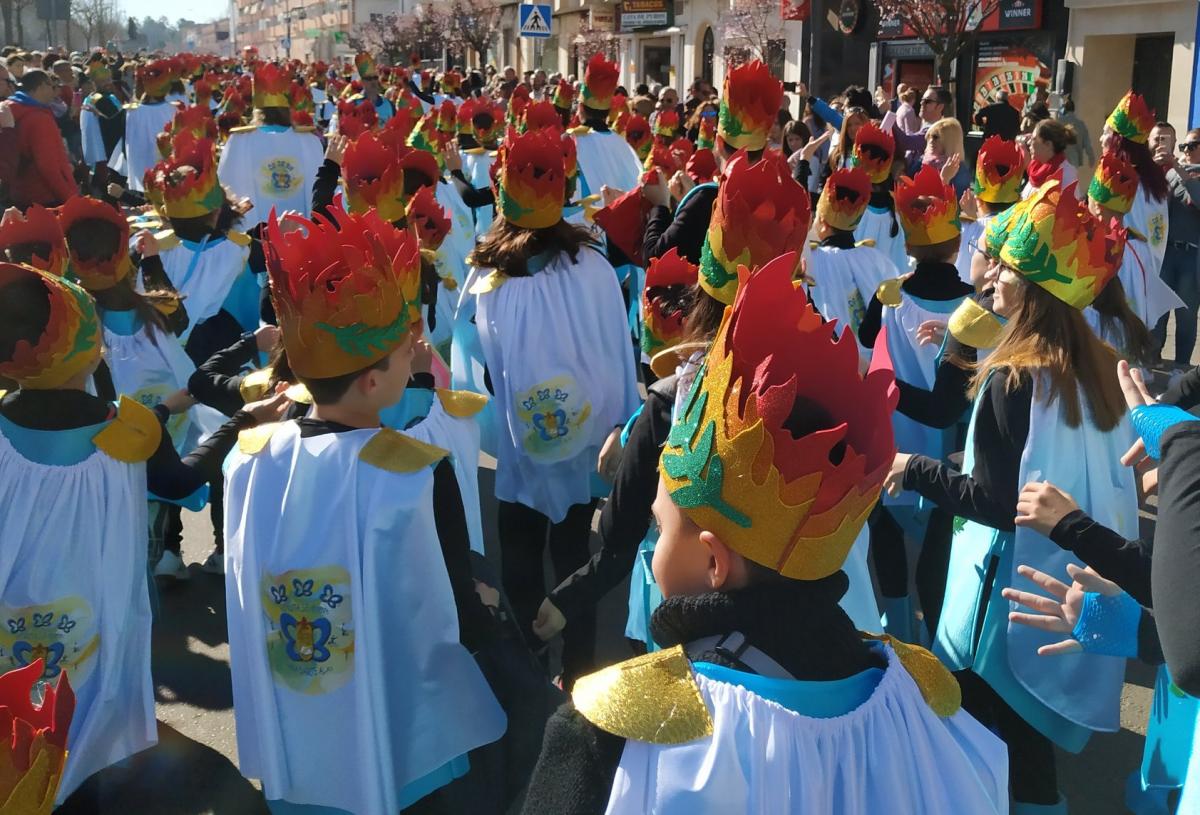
(1119, 120)
(361, 340)
(1032, 254)
(960, 523)
(728, 123)
(716, 274)
(89, 326)
(698, 463)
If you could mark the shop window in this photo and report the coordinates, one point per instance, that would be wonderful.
(776, 57)
(707, 51)
(656, 63)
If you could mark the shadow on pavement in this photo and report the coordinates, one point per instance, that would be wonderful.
(178, 776)
(192, 609)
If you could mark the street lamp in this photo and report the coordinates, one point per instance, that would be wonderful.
(287, 18)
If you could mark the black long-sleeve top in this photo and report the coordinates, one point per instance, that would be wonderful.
(987, 495)
(476, 626)
(325, 186)
(217, 382)
(1185, 392)
(625, 518)
(575, 772)
(472, 196)
(1175, 571)
(685, 229)
(167, 475)
(929, 281)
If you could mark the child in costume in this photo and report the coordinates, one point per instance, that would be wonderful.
(842, 276)
(325, 644)
(144, 120)
(271, 162)
(1047, 407)
(928, 212)
(543, 327)
(1133, 302)
(998, 170)
(74, 472)
(1126, 133)
(875, 152)
(767, 477)
(749, 106)
(101, 123)
(605, 158)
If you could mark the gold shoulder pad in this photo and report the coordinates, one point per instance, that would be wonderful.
(254, 385)
(652, 698)
(461, 404)
(299, 394)
(167, 239)
(133, 435)
(240, 238)
(95, 98)
(397, 453)
(865, 242)
(813, 244)
(489, 283)
(938, 686)
(582, 130)
(304, 129)
(889, 292)
(3, 393)
(966, 219)
(243, 129)
(973, 325)
(252, 440)
(131, 105)
(475, 151)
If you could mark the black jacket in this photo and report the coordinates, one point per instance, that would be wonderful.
(684, 230)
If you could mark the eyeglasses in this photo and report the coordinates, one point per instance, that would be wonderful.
(928, 101)
(1188, 146)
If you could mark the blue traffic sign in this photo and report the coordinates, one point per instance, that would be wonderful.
(535, 20)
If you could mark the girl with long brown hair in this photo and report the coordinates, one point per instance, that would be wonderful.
(1047, 406)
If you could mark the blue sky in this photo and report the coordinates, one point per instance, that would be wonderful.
(198, 10)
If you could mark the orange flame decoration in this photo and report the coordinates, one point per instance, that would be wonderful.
(620, 124)
(564, 95)
(272, 86)
(532, 180)
(188, 179)
(749, 106)
(661, 317)
(203, 90)
(429, 218)
(927, 208)
(156, 77)
(364, 63)
(570, 164)
(196, 120)
(683, 147)
(451, 82)
(599, 83)
(36, 743)
(782, 446)
(702, 166)
(844, 198)
(98, 273)
(466, 113)
(1132, 118)
(874, 151)
(666, 124)
(373, 177)
(540, 115)
(429, 139)
(707, 137)
(301, 97)
(637, 133)
(663, 158)
(346, 290)
(999, 168)
(405, 120)
(620, 104)
(760, 213)
(354, 119)
(421, 164)
(38, 230)
(517, 104)
(1054, 241)
(1114, 184)
(69, 344)
(447, 116)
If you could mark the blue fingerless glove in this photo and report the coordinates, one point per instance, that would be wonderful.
(1108, 625)
(1151, 421)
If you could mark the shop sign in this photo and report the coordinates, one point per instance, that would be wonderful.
(847, 15)
(1006, 15)
(601, 20)
(1008, 67)
(638, 15)
(795, 9)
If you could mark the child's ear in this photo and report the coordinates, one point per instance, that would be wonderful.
(721, 560)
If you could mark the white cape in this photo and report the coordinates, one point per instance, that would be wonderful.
(559, 354)
(275, 170)
(349, 681)
(891, 755)
(843, 281)
(73, 587)
(1148, 296)
(606, 159)
(204, 275)
(139, 149)
(876, 226)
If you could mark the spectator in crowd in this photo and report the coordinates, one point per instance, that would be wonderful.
(944, 151)
(1181, 262)
(1037, 108)
(906, 111)
(999, 118)
(43, 171)
(1082, 148)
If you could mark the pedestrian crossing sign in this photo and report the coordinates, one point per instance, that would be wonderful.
(535, 20)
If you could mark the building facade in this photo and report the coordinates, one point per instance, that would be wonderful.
(304, 29)
(207, 38)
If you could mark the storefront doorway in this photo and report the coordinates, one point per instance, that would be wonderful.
(1152, 55)
(656, 61)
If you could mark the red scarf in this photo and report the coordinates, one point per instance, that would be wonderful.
(1042, 171)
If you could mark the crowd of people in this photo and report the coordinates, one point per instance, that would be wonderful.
(865, 422)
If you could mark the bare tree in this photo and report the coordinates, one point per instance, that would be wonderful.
(396, 36)
(99, 20)
(946, 26)
(751, 29)
(591, 40)
(473, 26)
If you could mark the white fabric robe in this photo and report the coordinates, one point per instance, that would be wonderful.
(606, 159)
(139, 149)
(204, 275)
(275, 170)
